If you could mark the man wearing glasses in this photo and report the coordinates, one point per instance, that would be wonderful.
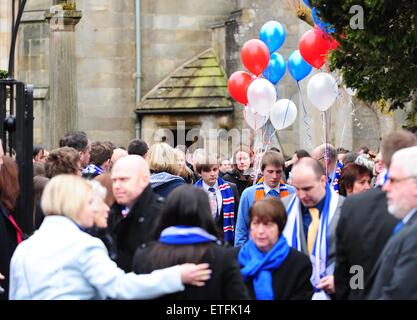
(393, 276)
(326, 154)
(365, 226)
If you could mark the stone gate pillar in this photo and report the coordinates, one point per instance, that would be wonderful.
(62, 113)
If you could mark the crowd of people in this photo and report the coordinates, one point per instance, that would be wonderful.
(161, 222)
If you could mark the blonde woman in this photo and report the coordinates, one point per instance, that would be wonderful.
(183, 170)
(61, 261)
(164, 169)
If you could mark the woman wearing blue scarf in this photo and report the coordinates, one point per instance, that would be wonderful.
(273, 270)
(187, 232)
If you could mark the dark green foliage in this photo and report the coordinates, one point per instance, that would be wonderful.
(3, 74)
(381, 59)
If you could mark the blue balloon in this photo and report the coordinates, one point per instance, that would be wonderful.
(326, 27)
(276, 68)
(273, 35)
(297, 66)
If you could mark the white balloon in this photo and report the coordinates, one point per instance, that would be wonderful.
(283, 114)
(261, 96)
(322, 90)
(253, 119)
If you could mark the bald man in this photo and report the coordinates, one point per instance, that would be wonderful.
(135, 212)
(117, 154)
(333, 166)
(313, 213)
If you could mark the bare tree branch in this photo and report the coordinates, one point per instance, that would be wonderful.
(300, 10)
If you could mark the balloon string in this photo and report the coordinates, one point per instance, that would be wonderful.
(265, 131)
(286, 111)
(326, 157)
(305, 119)
(259, 139)
(271, 135)
(328, 128)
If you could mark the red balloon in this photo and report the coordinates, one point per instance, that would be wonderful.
(238, 84)
(333, 44)
(314, 46)
(255, 56)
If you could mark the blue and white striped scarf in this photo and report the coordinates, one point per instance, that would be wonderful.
(92, 168)
(228, 205)
(336, 176)
(292, 233)
(181, 235)
(382, 178)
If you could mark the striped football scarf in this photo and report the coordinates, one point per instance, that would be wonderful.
(336, 176)
(292, 233)
(228, 206)
(260, 190)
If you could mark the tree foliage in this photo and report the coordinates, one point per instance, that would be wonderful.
(3, 74)
(379, 60)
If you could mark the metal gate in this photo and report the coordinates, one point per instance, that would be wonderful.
(16, 133)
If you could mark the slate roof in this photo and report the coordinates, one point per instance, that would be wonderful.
(198, 86)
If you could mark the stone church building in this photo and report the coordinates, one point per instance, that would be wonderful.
(158, 69)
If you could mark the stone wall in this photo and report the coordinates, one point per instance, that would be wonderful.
(32, 52)
(172, 32)
(105, 46)
(5, 14)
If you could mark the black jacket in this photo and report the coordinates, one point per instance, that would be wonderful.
(291, 281)
(364, 227)
(137, 228)
(226, 282)
(242, 181)
(104, 235)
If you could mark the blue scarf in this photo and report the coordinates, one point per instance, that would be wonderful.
(258, 265)
(180, 235)
(382, 178)
(336, 176)
(228, 206)
(319, 257)
(92, 169)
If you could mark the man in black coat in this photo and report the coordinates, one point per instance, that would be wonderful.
(393, 276)
(364, 228)
(133, 216)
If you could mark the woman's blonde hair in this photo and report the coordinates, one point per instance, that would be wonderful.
(161, 158)
(65, 195)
